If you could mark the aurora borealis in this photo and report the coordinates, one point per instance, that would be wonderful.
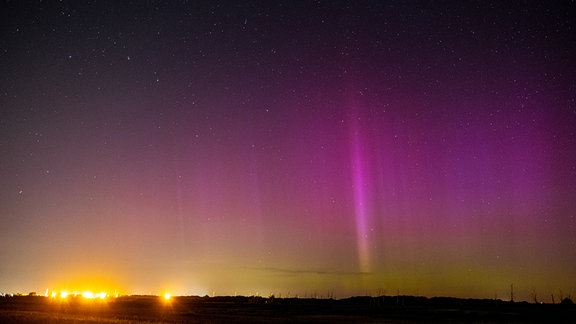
(289, 147)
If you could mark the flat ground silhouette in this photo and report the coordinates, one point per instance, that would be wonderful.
(194, 309)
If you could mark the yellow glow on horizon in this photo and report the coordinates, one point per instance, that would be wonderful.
(86, 279)
(167, 296)
(87, 294)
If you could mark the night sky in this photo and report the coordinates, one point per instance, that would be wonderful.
(301, 148)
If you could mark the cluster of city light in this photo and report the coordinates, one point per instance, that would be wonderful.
(85, 294)
(91, 295)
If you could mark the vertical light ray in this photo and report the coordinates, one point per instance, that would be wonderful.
(361, 212)
(179, 202)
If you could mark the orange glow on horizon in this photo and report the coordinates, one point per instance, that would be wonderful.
(91, 294)
(86, 279)
(87, 294)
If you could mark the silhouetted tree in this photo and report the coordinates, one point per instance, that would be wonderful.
(567, 301)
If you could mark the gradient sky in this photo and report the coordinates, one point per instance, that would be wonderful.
(289, 147)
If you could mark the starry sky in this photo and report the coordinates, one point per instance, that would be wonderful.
(301, 148)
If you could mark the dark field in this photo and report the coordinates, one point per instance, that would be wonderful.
(397, 309)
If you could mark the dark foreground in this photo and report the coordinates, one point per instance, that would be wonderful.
(397, 309)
